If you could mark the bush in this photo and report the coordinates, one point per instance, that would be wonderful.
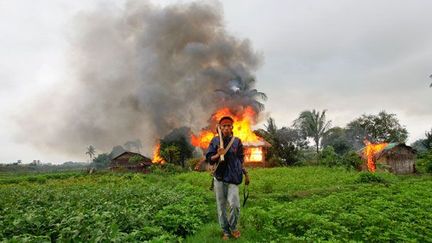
(328, 157)
(351, 160)
(274, 162)
(424, 162)
(308, 157)
(166, 168)
(171, 154)
(102, 161)
(367, 177)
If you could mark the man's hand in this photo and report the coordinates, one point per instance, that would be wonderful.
(247, 179)
(220, 152)
(197, 167)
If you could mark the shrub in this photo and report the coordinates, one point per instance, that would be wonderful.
(308, 157)
(367, 177)
(103, 160)
(172, 168)
(274, 162)
(424, 162)
(171, 154)
(166, 168)
(351, 160)
(328, 157)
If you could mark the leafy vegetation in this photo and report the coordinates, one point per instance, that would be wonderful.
(314, 125)
(384, 127)
(135, 159)
(175, 147)
(338, 139)
(427, 142)
(424, 162)
(286, 143)
(91, 151)
(129, 207)
(285, 204)
(101, 161)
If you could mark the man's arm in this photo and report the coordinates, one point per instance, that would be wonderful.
(240, 155)
(213, 152)
(199, 164)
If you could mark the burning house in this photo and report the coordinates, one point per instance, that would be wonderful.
(255, 147)
(255, 153)
(130, 161)
(397, 158)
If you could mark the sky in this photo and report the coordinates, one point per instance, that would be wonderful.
(349, 57)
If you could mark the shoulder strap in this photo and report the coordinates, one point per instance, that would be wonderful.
(229, 144)
(225, 150)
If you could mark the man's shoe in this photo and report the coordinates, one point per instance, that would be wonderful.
(225, 236)
(235, 234)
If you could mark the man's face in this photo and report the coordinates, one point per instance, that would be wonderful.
(226, 128)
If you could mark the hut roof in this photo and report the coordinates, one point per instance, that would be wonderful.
(117, 151)
(390, 147)
(260, 143)
(394, 146)
(146, 160)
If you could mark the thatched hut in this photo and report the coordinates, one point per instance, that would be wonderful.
(124, 162)
(397, 158)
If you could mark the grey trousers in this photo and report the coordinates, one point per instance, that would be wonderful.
(227, 195)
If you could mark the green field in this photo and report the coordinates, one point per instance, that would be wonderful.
(285, 204)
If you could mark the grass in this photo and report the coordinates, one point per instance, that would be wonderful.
(285, 204)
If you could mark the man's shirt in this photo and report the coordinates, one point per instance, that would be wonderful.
(230, 170)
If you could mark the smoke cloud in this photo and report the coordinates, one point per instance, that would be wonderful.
(141, 71)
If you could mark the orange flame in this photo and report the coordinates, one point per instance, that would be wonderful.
(242, 127)
(370, 151)
(156, 155)
(203, 139)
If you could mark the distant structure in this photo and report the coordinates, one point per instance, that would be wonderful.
(255, 153)
(397, 158)
(122, 162)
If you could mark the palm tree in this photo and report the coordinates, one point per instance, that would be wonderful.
(129, 145)
(241, 91)
(428, 141)
(138, 145)
(314, 125)
(135, 145)
(269, 133)
(91, 151)
(430, 86)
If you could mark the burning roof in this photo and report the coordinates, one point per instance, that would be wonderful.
(371, 153)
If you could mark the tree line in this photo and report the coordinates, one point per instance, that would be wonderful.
(311, 138)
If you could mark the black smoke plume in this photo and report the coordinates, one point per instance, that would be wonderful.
(139, 72)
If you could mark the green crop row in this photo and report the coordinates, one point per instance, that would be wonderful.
(104, 208)
(285, 204)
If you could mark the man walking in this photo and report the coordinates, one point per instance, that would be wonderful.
(227, 176)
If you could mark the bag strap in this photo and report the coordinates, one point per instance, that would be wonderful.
(225, 150)
(229, 145)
